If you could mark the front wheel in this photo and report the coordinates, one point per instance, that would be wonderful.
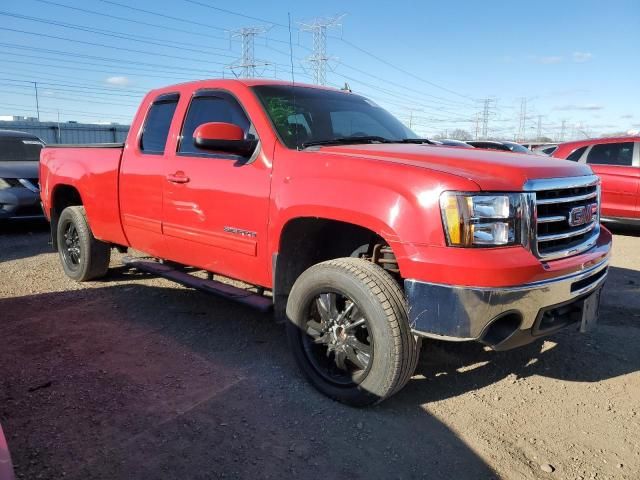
(348, 329)
(83, 257)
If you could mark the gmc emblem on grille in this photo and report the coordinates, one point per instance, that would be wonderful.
(583, 214)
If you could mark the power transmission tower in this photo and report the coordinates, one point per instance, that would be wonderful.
(477, 124)
(562, 130)
(411, 116)
(247, 64)
(35, 86)
(486, 111)
(319, 58)
(522, 126)
(539, 127)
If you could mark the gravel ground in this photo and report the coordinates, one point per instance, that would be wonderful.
(134, 377)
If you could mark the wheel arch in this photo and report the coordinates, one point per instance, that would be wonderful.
(306, 241)
(62, 196)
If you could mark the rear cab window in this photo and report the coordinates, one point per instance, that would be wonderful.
(156, 126)
(611, 154)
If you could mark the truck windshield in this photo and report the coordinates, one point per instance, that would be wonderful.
(305, 116)
(19, 149)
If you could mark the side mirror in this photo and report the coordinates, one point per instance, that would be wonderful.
(223, 137)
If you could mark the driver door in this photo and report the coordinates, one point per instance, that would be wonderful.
(216, 205)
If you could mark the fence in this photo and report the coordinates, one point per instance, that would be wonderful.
(74, 133)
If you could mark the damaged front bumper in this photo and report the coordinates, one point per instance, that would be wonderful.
(505, 318)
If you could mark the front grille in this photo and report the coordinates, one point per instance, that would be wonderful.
(567, 217)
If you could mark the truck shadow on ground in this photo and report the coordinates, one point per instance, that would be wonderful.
(137, 381)
(450, 369)
(145, 381)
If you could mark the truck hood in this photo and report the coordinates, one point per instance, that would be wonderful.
(19, 169)
(490, 170)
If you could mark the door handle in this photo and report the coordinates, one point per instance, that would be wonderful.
(178, 177)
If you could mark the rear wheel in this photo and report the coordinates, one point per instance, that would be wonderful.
(348, 329)
(83, 257)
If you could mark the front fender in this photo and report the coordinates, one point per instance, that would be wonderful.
(398, 202)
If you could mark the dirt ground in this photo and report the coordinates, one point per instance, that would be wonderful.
(134, 377)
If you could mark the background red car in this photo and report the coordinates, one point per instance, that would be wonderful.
(6, 469)
(617, 162)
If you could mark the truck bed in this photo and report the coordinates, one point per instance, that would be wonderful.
(92, 170)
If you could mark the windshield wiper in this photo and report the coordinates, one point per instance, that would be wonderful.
(347, 141)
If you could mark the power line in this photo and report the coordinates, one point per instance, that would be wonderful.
(402, 70)
(231, 12)
(26, 108)
(95, 44)
(118, 61)
(110, 33)
(432, 98)
(70, 99)
(107, 91)
(138, 22)
(169, 17)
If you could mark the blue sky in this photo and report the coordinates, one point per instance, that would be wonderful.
(430, 63)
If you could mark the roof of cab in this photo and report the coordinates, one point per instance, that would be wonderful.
(226, 83)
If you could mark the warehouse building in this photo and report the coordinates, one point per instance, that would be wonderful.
(67, 132)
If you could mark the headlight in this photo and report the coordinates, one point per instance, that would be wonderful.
(4, 184)
(481, 220)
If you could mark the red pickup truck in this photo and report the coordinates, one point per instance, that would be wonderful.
(363, 237)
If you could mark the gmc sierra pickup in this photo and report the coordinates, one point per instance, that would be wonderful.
(363, 237)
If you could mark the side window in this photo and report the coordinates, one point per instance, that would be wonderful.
(217, 107)
(347, 123)
(611, 154)
(157, 123)
(576, 154)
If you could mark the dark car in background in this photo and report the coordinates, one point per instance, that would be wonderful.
(516, 147)
(452, 143)
(501, 146)
(19, 186)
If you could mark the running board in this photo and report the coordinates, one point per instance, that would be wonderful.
(220, 289)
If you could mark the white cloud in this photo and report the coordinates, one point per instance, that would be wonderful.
(119, 81)
(588, 106)
(550, 59)
(581, 57)
(575, 57)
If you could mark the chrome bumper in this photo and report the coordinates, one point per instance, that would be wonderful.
(503, 318)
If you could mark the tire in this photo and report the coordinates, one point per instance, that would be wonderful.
(367, 378)
(83, 257)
